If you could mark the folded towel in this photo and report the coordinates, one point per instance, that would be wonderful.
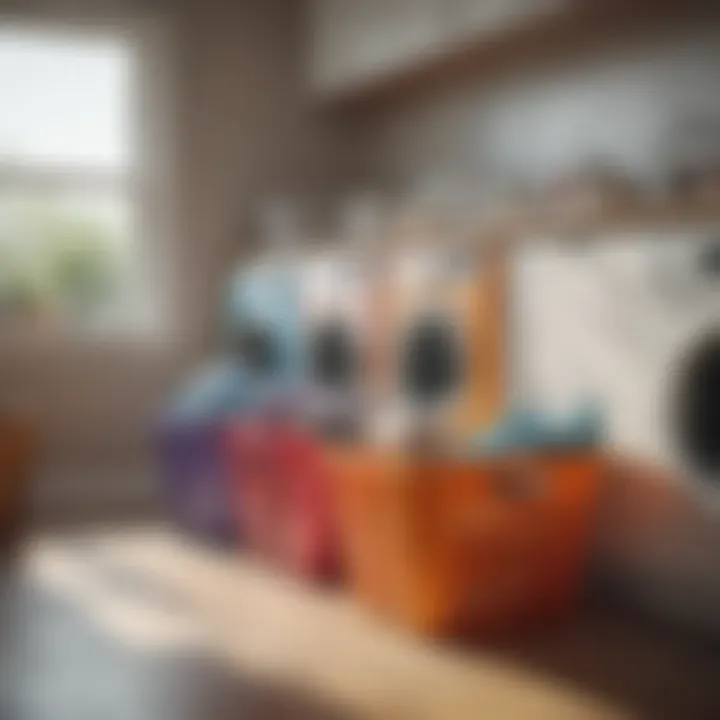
(527, 429)
(215, 392)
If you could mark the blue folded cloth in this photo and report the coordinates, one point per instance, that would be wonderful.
(526, 429)
(218, 391)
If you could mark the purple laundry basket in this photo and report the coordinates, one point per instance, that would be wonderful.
(196, 481)
(190, 446)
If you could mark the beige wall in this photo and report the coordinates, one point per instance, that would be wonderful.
(356, 43)
(240, 128)
(551, 105)
(247, 128)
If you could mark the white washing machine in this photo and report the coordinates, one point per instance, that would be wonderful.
(633, 322)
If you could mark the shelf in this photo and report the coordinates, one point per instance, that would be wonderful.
(632, 217)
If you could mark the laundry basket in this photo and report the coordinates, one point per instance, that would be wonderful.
(189, 450)
(253, 474)
(195, 481)
(451, 547)
(283, 494)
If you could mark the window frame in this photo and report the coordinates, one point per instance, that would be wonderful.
(148, 185)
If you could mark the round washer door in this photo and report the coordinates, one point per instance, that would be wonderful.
(430, 361)
(257, 347)
(334, 356)
(697, 410)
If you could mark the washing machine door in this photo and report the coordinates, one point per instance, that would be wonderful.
(696, 408)
(431, 366)
(256, 345)
(335, 360)
(683, 352)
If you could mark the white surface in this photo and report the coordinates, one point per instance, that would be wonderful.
(82, 82)
(611, 321)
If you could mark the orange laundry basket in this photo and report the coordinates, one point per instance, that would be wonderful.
(17, 456)
(448, 547)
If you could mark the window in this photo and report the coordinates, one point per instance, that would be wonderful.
(71, 198)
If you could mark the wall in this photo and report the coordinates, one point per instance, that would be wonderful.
(550, 108)
(238, 128)
(247, 129)
(356, 43)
